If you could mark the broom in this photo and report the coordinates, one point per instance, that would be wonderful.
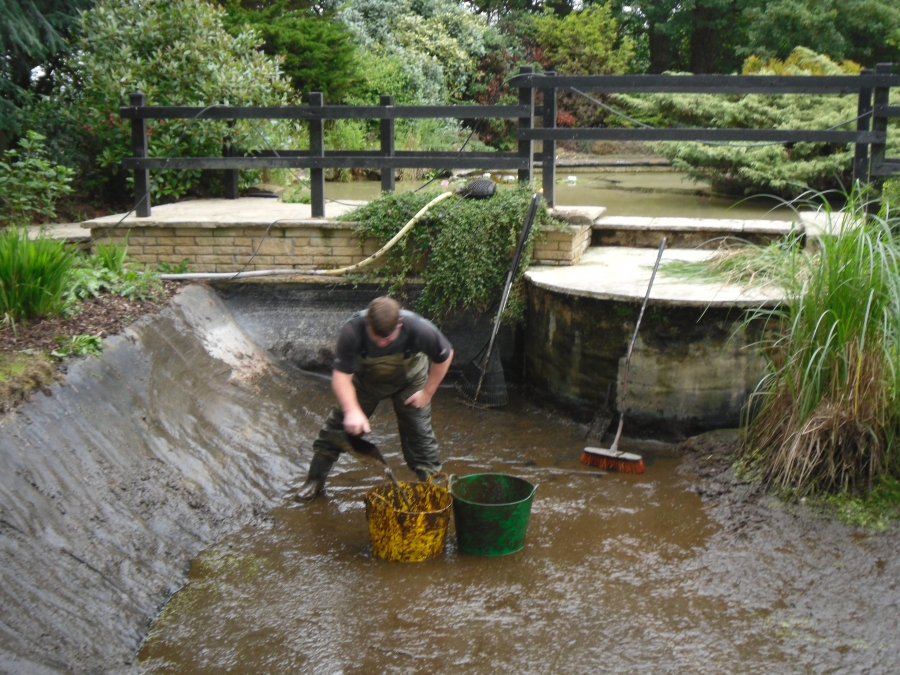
(482, 380)
(610, 458)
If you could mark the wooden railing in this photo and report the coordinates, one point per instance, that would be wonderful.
(872, 88)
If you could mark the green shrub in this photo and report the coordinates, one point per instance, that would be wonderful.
(178, 53)
(468, 245)
(34, 274)
(786, 170)
(30, 184)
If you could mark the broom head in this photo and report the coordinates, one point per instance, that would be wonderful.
(492, 393)
(612, 460)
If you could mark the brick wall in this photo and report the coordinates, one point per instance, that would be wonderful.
(562, 247)
(319, 245)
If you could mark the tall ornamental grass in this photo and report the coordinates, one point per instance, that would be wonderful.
(825, 417)
(34, 274)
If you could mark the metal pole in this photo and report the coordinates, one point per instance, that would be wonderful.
(388, 181)
(139, 151)
(317, 149)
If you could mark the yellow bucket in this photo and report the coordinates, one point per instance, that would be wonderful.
(408, 535)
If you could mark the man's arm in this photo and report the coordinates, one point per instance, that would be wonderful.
(435, 375)
(355, 420)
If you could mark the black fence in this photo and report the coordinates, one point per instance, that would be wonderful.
(872, 87)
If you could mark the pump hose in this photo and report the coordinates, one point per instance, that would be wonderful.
(335, 272)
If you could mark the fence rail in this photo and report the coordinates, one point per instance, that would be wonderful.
(872, 87)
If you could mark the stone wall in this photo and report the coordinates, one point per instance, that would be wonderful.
(316, 244)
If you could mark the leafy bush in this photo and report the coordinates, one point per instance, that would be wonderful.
(34, 274)
(468, 245)
(317, 52)
(432, 48)
(29, 183)
(176, 52)
(786, 170)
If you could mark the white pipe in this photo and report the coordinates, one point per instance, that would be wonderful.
(336, 272)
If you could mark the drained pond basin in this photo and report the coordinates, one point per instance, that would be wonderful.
(147, 526)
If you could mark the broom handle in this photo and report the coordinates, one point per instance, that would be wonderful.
(637, 325)
(523, 237)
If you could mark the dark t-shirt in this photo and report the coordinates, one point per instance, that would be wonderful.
(416, 335)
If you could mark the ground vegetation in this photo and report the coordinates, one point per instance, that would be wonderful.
(57, 303)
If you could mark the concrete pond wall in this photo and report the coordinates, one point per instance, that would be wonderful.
(691, 368)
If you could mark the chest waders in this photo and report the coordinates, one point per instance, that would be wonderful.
(396, 377)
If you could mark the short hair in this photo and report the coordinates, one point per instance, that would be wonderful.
(383, 315)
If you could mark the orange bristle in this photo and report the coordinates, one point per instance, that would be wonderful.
(610, 464)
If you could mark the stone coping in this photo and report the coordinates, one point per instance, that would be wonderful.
(243, 212)
(622, 273)
(734, 226)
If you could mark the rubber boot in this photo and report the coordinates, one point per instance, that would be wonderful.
(315, 479)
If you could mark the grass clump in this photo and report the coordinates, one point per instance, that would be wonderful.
(23, 374)
(466, 246)
(34, 275)
(825, 418)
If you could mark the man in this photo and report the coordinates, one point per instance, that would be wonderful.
(383, 352)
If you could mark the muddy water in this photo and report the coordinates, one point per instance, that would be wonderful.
(620, 574)
(622, 193)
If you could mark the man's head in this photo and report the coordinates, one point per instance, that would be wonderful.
(383, 320)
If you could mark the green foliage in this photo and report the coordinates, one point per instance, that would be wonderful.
(826, 416)
(874, 511)
(176, 52)
(29, 183)
(78, 345)
(32, 34)
(890, 195)
(585, 42)
(180, 268)
(468, 245)
(784, 170)
(433, 46)
(108, 272)
(317, 51)
(34, 274)
(866, 31)
(111, 256)
(299, 194)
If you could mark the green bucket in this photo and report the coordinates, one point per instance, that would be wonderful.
(491, 512)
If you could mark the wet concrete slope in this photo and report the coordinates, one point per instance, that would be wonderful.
(179, 433)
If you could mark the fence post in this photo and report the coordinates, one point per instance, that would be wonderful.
(526, 147)
(230, 177)
(861, 155)
(879, 124)
(388, 180)
(317, 149)
(548, 150)
(139, 151)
